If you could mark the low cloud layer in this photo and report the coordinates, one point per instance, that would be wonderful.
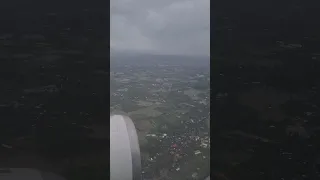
(161, 26)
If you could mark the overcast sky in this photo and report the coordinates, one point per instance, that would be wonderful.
(161, 26)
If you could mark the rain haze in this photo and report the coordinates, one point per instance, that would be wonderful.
(159, 76)
(167, 27)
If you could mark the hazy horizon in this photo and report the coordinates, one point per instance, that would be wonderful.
(132, 53)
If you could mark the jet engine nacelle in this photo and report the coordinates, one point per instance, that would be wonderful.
(125, 162)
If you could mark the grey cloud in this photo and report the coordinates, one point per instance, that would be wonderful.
(161, 26)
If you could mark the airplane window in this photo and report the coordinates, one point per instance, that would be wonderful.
(160, 74)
